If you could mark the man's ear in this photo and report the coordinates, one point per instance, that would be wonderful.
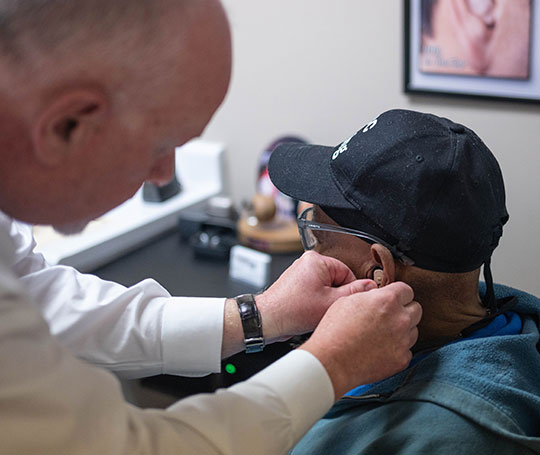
(476, 19)
(485, 10)
(67, 124)
(385, 261)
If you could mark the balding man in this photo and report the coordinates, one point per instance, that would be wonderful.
(94, 97)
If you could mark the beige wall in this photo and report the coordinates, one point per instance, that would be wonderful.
(321, 69)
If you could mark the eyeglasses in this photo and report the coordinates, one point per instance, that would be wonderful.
(306, 226)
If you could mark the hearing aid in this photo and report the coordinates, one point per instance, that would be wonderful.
(378, 276)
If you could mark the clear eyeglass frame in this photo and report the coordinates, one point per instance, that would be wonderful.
(309, 241)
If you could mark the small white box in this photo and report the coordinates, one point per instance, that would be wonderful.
(250, 266)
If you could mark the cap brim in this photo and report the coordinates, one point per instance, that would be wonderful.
(303, 172)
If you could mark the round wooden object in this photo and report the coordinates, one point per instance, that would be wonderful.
(264, 207)
(276, 236)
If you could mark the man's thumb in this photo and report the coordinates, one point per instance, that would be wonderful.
(357, 286)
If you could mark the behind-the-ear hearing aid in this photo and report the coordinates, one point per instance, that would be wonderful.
(378, 276)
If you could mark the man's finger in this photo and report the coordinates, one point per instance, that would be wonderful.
(403, 291)
(356, 287)
(415, 312)
(340, 274)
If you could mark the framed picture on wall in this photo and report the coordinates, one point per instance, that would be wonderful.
(473, 48)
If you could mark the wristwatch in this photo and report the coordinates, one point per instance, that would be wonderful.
(251, 323)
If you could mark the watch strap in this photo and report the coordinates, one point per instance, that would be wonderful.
(251, 323)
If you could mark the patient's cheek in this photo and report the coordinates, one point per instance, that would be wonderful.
(328, 250)
(344, 256)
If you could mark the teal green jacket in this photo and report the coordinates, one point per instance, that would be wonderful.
(476, 396)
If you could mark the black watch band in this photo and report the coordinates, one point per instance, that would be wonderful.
(251, 323)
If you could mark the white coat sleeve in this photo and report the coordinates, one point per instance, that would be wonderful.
(135, 332)
(54, 403)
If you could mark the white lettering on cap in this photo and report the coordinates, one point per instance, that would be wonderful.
(369, 126)
(342, 148)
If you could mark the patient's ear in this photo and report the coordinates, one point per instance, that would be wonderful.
(385, 261)
(68, 124)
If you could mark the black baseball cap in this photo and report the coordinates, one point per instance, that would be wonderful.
(422, 183)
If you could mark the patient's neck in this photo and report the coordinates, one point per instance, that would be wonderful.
(450, 303)
(447, 317)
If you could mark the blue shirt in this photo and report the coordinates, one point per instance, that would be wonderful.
(508, 323)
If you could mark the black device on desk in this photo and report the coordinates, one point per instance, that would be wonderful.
(174, 265)
(154, 193)
(209, 228)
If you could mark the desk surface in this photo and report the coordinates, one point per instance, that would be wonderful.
(173, 264)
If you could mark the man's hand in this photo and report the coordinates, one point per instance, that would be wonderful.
(297, 301)
(366, 337)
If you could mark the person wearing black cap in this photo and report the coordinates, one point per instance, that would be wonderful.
(417, 198)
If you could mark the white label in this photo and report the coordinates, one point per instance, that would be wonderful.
(250, 266)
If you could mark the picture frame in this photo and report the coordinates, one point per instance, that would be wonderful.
(498, 64)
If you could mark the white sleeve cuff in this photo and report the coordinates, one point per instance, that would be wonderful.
(192, 334)
(303, 384)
